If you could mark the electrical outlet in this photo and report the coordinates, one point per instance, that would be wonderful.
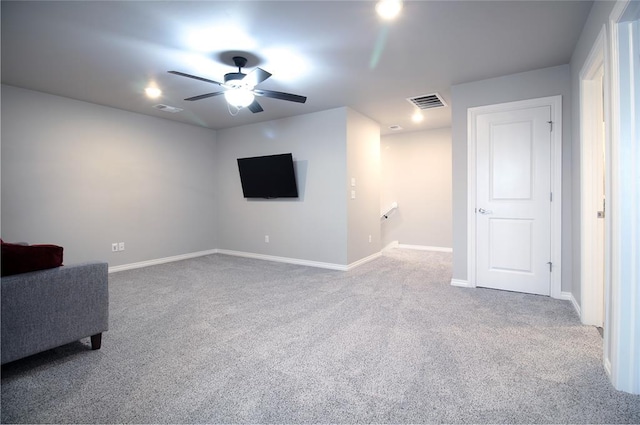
(369, 238)
(266, 238)
(121, 246)
(114, 247)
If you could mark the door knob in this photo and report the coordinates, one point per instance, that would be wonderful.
(483, 211)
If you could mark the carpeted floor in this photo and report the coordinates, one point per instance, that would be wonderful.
(220, 339)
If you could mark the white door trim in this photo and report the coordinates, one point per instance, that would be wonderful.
(622, 318)
(591, 294)
(555, 102)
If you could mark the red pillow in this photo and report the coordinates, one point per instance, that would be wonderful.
(28, 258)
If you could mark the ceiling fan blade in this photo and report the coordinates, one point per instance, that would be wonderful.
(255, 77)
(279, 95)
(205, 96)
(182, 74)
(255, 107)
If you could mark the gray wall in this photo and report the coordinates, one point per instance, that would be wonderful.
(527, 85)
(416, 173)
(363, 165)
(313, 227)
(83, 176)
(598, 17)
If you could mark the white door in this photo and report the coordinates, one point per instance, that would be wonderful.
(513, 205)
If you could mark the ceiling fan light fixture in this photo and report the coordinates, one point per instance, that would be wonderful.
(240, 97)
(239, 92)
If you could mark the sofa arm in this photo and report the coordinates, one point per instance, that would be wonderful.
(48, 308)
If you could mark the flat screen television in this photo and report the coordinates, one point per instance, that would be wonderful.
(270, 176)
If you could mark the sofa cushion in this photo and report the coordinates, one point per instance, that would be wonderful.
(17, 258)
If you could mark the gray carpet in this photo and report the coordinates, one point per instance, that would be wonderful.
(220, 339)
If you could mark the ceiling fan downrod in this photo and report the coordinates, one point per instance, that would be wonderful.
(240, 62)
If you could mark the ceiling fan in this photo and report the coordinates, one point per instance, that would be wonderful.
(240, 88)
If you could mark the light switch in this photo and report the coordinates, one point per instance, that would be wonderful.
(353, 181)
(353, 194)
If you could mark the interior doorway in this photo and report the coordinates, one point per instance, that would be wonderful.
(594, 185)
(513, 187)
(486, 211)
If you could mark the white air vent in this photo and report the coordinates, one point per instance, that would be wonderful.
(427, 101)
(167, 108)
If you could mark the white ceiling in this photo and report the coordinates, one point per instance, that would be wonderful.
(337, 53)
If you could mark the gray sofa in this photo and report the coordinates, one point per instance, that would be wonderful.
(49, 308)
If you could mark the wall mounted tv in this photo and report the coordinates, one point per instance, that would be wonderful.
(270, 176)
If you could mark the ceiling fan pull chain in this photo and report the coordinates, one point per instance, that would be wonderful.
(230, 106)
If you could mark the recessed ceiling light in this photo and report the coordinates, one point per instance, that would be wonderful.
(417, 116)
(395, 127)
(153, 92)
(389, 9)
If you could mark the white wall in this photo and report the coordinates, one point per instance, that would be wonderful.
(527, 85)
(83, 176)
(313, 227)
(363, 165)
(416, 173)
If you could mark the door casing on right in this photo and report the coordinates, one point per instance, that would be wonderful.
(594, 267)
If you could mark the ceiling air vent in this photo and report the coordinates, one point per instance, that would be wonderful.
(167, 108)
(427, 101)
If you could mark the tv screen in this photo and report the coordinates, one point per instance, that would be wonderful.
(269, 176)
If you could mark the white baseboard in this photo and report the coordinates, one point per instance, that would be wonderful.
(461, 283)
(288, 260)
(364, 260)
(390, 245)
(331, 266)
(569, 297)
(565, 296)
(607, 367)
(155, 262)
(300, 262)
(425, 248)
(396, 244)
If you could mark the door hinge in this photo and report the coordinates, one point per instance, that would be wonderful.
(550, 126)
(550, 266)
(601, 214)
(551, 196)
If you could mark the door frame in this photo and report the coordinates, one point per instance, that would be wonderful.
(622, 318)
(555, 103)
(591, 294)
